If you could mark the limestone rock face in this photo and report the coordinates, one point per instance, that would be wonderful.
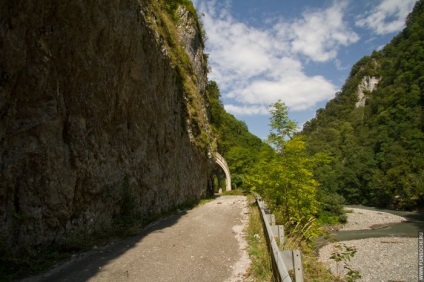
(91, 115)
(368, 84)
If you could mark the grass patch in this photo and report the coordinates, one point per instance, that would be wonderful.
(236, 192)
(260, 269)
(300, 238)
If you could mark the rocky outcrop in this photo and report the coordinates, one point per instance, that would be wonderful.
(368, 85)
(93, 120)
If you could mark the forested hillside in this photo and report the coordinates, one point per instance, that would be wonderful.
(373, 128)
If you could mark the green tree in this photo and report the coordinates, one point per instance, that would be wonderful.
(284, 175)
(282, 128)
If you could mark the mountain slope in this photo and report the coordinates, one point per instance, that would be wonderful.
(373, 128)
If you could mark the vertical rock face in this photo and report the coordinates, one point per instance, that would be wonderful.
(91, 114)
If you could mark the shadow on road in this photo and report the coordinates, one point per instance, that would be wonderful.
(84, 266)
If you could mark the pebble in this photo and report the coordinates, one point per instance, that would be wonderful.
(376, 259)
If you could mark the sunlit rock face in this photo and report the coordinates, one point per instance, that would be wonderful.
(368, 85)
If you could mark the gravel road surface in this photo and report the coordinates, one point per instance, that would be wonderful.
(203, 244)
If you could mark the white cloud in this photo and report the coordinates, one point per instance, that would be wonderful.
(247, 110)
(389, 16)
(256, 67)
(298, 92)
(318, 34)
(237, 51)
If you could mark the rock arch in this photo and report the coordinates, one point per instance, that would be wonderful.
(223, 164)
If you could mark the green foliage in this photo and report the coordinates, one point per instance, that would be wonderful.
(284, 177)
(303, 231)
(313, 270)
(239, 147)
(172, 5)
(237, 192)
(282, 127)
(286, 182)
(330, 208)
(377, 149)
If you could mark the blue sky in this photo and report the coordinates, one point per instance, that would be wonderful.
(299, 51)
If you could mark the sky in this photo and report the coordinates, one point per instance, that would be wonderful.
(296, 51)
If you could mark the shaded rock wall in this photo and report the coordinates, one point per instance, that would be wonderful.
(91, 113)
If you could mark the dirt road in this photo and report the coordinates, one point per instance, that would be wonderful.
(202, 244)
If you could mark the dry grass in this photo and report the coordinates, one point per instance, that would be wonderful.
(299, 239)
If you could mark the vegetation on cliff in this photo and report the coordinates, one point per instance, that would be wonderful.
(167, 19)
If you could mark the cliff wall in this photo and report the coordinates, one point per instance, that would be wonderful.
(95, 119)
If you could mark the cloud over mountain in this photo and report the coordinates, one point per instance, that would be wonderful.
(255, 67)
(387, 17)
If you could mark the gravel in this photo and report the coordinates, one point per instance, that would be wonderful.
(391, 259)
(378, 259)
(241, 267)
(360, 219)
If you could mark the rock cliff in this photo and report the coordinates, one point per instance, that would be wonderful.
(367, 85)
(96, 118)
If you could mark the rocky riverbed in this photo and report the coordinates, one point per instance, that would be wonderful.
(362, 219)
(377, 259)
